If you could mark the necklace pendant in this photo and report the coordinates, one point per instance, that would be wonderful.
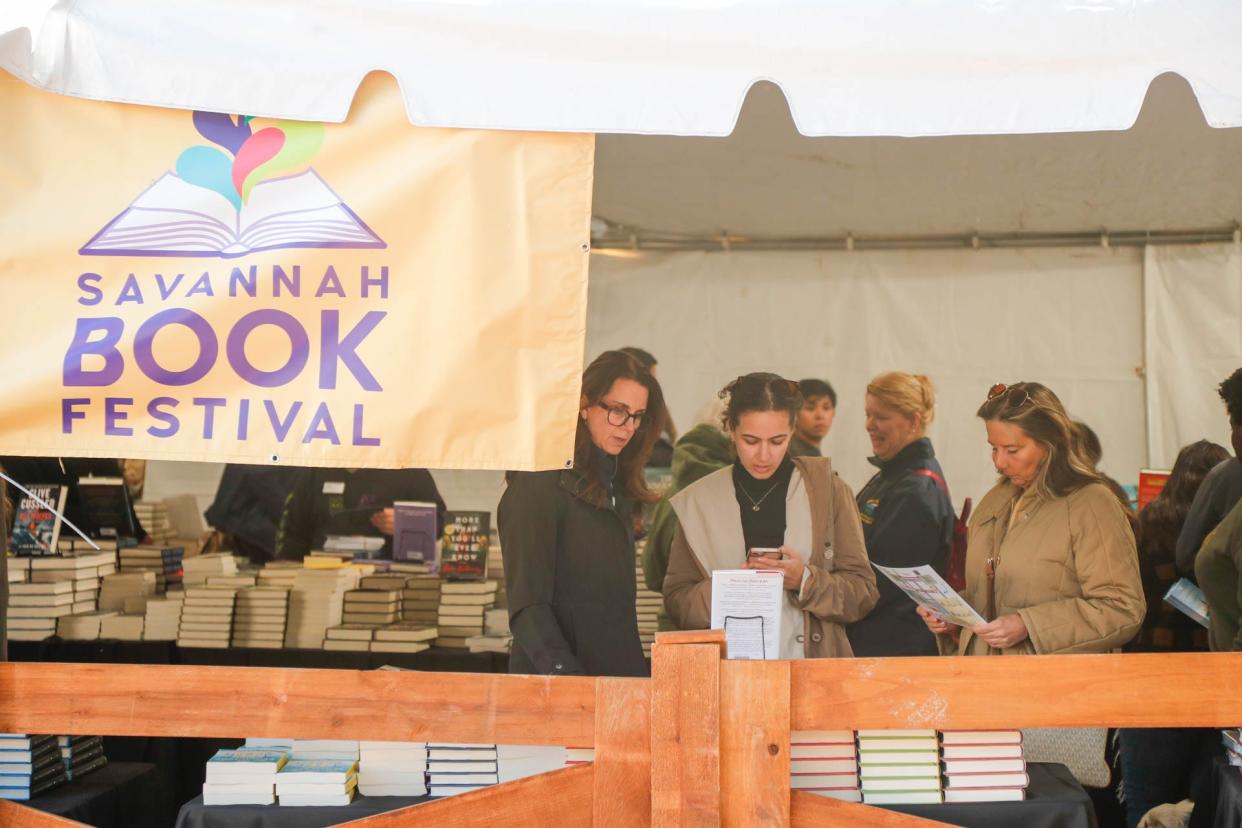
(755, 508)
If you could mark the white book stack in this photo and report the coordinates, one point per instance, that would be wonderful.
(153, 515)
(385, 581)
(279, 574)
(372, 606)
(824, 762)
(121, 627)
(579, 755)
(207, 618)
(18, 570)
(462, 607)
(455, 768)
(899, 767)
(239, 581)
(647, 604)
(317, 782)
(34, 608)
(119, 587)
(198, 569)
(82, 627)
(349, 638)
(316, 603)
(84, 569)
(496, 570)
(520, 761)
(162, 620)
(260, 617)
(420, 599)
(392, 768)
(244, 776)
(983, 766)
(496, 637)
(403, 637)
(324, 749)
(165, 562)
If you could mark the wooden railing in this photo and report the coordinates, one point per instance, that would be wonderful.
(705, 741)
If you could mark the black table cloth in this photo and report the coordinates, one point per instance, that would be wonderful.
(194, 814)
(1053, 800)
(118, 795)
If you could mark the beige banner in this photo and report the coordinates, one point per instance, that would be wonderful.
(194, 286)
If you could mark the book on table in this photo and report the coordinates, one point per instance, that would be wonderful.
(36, 528)
(464, 545)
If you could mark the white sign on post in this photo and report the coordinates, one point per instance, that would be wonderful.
(746, 604)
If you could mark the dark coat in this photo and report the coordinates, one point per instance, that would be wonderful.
(907, 521)
(569, 574)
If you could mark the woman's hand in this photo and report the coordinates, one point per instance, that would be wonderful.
(1006, 631)
(790, 565)
(935, 624)
(383, 521)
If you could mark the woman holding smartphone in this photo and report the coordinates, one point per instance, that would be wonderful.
(767, 510)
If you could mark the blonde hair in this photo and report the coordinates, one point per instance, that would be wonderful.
(913, 395)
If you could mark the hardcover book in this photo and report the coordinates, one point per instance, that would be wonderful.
(36, 529)
(414, 531)
(463, 550)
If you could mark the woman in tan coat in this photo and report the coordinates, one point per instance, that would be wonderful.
(767, 500)
(1051, 561)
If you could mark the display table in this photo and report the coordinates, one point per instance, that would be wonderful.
(118, 795)
(1053, 800)
(194, 814)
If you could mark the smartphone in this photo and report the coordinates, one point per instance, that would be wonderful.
(763, 552)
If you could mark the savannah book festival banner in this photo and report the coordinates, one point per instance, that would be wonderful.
(187, 285)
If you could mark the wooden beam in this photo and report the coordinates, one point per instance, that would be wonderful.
(151, 700)
(561, 798)
(808, 810)
(1133, 690)
(622, 752)
(754, 743)
(715, 637)
(685, 732)
(13, 815)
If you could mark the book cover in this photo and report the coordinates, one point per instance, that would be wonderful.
(414, 531)
(106, 507)
(1151, 483)
(463, 550)
(36, 529)
(1186, 597)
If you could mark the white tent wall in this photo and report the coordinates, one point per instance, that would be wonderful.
(1071, 318)
(1193, 299)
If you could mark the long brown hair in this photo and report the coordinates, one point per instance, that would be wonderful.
(1033, 408)
(1162, 519)
(597, 380)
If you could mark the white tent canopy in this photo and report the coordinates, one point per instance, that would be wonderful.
(672, 67)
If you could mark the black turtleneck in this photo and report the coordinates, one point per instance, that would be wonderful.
(606, 472)
(764, 528)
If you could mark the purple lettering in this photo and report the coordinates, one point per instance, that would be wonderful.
(291, 283)
(166, 290)
(359, 440)
(130, 292)
(69, 412)
(88, 284)
(113, 415)
(321, 427)
(333, 347)
(330, 283)
(281, 427)
(248, 283)
(73, 373)
(243, 419)
(298, 340)
(209, 406)
(203, 286)
(155, 409)
(208, 347)
(381, 282)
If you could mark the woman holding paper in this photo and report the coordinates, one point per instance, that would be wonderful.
(769, 511)
(1051, 561)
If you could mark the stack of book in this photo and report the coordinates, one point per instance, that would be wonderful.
(153, 515)
(462, 606)
(420, 599)
(165, 562)
(122, 627)
(824, 762)
(520, 761)
(899, 767)
(243, 776)
(646, 603)
(349, 637)
(19, 570)
(316, 603)
(35, 607)
(392, 768)
(81, 754)
(496, 571)
(579, 755)
(324, 749)
(207, 618)
(29, 765)
(82, 627)
(455, 768)
(83, 569)
(317, 782)
(120, 588)
(279, 574)
(372, 606)
(239, 581)
(162, 621)
(260, 616)
(198, 569)
(386, 581)
(496, 637)
(983, 766)
(403, 637)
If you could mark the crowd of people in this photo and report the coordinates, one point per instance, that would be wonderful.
(1055, 558)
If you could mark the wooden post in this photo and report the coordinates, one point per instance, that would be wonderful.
(13, 815)
(754, 743)
(622, 752)
(685, 729)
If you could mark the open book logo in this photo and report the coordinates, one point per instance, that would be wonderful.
(255, 192)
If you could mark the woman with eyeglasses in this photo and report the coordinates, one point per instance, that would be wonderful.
(567, 536)
(794, 514)
(1051, 563)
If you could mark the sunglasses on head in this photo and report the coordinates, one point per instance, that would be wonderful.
(1015, 397)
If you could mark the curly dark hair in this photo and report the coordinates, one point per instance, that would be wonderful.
(760, 392)
(1231, 392)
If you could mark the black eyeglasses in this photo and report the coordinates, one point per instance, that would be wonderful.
(1017, 397)
(619, 415)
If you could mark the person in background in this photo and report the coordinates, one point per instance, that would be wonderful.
(765, 500)
(819, 407)
(249, 502)
(1164, 765)
(1051, 563)
(907, 517)
(700, 451)
(1221, 489)
(326, 501)
(568, 539)
(662, 451)
(1094, 451)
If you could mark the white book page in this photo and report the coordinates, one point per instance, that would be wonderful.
(301, 193)
(746, 604)
(172, 194)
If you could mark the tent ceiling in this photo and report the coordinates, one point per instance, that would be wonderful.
(1170, 171)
